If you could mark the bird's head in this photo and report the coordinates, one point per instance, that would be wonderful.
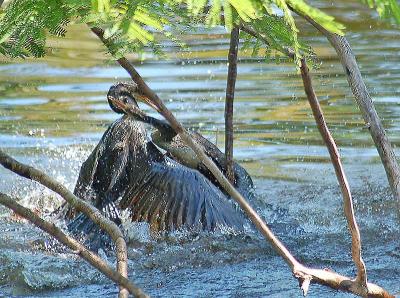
(124, 93)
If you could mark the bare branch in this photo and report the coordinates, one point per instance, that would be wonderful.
(339, 282)
(92, 258)
(365, 104)
(348, 205)
(341, 176)
(301, 272)
(93, 213)
(230, 95)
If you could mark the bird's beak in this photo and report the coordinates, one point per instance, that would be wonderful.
(146, 100)
(128, 109)
(120, 105)
(134, 90)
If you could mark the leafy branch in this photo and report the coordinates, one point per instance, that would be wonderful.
(387, 9)
(134, 25)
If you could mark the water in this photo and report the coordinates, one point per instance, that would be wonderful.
(53, 111)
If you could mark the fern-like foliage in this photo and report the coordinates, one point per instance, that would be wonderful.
(277, 35)
(24, 25)
(388, 9)
(260, 15)
(131, 25)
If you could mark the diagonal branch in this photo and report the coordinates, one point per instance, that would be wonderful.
(341, 176)
(92, 258)
(348, 205)
(230, 95)
(304, 274)
(179, 129)
(93, 213)
(367, 108)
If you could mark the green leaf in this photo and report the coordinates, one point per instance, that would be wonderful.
(137, 32)
(143, 16)
(388, 9)
(245, 9)
(228, 16)
(214, 15)
(318, 16)
(196, 6)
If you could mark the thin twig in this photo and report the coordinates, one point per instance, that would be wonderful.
(348, 205)
(93, 213)
(341, 176)
(302, 273)
(92, 258)
(364, 101)
(264, 38)
(230, 95)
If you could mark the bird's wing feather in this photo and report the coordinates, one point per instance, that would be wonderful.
(170, 196)
(86, 173)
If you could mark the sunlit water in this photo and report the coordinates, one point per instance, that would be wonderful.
(53, 111)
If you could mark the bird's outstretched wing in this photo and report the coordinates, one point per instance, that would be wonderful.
(170, 196)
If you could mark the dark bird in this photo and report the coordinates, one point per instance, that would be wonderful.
(126, 170)
(166, 138)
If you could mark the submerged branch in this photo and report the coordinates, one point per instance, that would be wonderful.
(339, 282)
(92, 258)
(367, 108)
(93, 213)
(341, 176)
(303, 274)
(230, 95)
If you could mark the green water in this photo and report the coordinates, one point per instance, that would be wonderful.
(53, 111)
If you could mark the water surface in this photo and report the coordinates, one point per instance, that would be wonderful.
(53, 111)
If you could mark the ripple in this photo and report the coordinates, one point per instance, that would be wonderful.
(8, 118)
(275, 139)
(23, 101)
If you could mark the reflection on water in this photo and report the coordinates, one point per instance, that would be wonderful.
(54, 110)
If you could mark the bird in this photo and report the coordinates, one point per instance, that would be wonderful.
(127, 171)
(166, 138)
